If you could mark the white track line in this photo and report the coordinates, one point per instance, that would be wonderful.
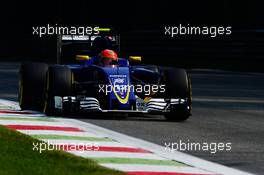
(105, 154)
(8, 103)
(153, 168)
(32, 123)
(25, 116)
(44, 132)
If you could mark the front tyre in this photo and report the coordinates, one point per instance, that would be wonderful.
(31, 85)
(59, 82)
(178, 86)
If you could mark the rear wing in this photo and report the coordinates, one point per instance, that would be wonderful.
(71, 44)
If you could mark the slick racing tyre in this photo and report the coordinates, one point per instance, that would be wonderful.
(178, 85)
(58, 83)
(31, 85)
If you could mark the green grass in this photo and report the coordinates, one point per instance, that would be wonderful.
(17, 157)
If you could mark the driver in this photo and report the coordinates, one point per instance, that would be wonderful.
(108, 57)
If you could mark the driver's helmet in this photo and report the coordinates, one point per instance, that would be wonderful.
(108, 57)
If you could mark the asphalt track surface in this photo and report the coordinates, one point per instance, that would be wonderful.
(227, 107)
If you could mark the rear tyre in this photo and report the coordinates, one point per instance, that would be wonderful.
(59, 82)
(31, 85)
(178, 86)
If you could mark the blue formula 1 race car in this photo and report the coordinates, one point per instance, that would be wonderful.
(98, 81)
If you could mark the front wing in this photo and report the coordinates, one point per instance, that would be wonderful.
(91, 104)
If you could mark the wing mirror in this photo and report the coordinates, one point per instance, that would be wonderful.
(135, 58)
(82, 57)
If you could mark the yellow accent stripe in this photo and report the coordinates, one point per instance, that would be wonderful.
(123, 101)
(135, 58)
(82, 57)
(104, 29)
